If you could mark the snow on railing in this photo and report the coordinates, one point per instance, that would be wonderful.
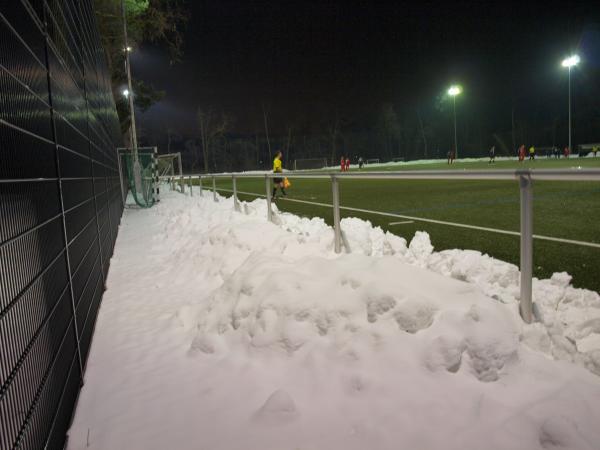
(525, 178)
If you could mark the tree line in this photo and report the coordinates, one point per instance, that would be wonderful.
(390, 133)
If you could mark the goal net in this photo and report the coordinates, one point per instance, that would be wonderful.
(310, 163)
(373, 161)
(138, 175)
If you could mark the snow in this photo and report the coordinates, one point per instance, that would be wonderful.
(400, 164)
(220, 330)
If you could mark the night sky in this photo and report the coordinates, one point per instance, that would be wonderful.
(303, 59)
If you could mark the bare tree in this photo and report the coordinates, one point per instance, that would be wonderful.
(267, 130)
(334, 132)
(191, 147)
(212, 127)
(172, 136)
(289, 140)
(422, 133)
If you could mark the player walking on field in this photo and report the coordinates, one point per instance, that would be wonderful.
(347, 164)
(277, 168)
(532, 153)
(492, 154)
(521, 152)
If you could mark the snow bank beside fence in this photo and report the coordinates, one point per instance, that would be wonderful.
(221, 330)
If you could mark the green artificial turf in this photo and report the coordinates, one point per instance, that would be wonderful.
(568, 210)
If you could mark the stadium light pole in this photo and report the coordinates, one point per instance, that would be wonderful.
(137, 170)
(569, 62)
(453, 92)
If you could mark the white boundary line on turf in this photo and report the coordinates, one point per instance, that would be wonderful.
(401, 223)
(438, 222)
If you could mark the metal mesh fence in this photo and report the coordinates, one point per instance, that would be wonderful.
(60, 207)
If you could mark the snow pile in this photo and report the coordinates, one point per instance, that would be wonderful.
(291, 306)
(569, 318)
(221, 330)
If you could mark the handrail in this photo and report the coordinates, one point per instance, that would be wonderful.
(574, 174)
(524, 176)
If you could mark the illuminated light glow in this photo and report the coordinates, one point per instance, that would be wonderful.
(125, 93)
(454, 90)
(128, 49)
(571, 61)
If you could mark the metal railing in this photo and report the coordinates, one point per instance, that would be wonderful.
(525, 177)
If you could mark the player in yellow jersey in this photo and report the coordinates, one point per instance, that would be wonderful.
(278, 182)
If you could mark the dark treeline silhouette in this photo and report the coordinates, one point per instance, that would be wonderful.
(391, 132)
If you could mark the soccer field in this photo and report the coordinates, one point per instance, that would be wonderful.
(562, 210)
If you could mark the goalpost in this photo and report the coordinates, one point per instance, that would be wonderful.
(142, 179)
(310, 163)
(169, 165)
(372, 161)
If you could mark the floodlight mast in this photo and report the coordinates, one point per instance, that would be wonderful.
(453, 92)
(128, 93)
(569, 62)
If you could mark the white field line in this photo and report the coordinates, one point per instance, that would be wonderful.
(422, 219)
(401, 223)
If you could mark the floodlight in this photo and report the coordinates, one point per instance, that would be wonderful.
(571, 61)
(454, 90)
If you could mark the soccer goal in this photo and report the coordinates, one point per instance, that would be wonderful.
(138, 175)
(373, 161)
(169, 168)
(310, 163)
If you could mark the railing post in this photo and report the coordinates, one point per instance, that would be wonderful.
(200, 184)
(191, 191)
(172, 180)
(181, 182)
(214, 189)
(268, 189)
(525, 306)
(236, 204)
(335, 190)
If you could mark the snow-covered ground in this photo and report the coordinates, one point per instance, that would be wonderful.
(220, 330)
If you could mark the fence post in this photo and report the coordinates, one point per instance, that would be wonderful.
(171, 178)
(335, 191)
(214, 189)
(181, 181)
(525, 305)
(200, 184)
(268, 188)
(191, 191)
(155, 177)
(236, 204)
